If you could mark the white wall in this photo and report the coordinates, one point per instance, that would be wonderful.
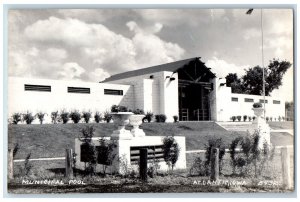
(20, 101)
(226, 108)
(158, 95)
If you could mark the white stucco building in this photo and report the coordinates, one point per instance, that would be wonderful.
(185, 88)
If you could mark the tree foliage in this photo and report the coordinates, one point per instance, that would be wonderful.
(251, 82)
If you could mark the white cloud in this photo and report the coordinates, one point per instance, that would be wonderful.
(77, 49)
(56, 53)
(99, 75)
(222, 68)
(251, 33)
(33, 51)
(133, 26)
(150, 49)
(71, 71)
(18, 64)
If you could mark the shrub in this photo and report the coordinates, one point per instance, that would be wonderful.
(75, 116)
(86, 116)
(107, 116)
(271, 118)
(279, 118)
(98, 117)
(138, 111)
(153, 167)
(148, 117)
(249, 118)
(88, 150)
(267, 118)
(233, 118)
(175, 118)
(257, 105)
(64, 115)
(160, 118)
(170, 151)
(239, 118)
(233, 153)
(54, 117)
(245, 117)
(118, 108)
(16, 118)
(214, 143)
(252, 157)
(105, 154)
(41, 116)
(282, 118)
(28, 118)
(253, 118)
(198, 167)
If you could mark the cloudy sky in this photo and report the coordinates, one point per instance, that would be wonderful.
(92, 44)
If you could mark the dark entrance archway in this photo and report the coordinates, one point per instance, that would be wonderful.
(194, 87)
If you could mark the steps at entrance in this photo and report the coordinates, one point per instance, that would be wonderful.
(235, 126)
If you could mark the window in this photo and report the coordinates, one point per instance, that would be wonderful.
(234, 99)
(276, 102)
(262, 101)
(29, 87)
(249, 100)
(113, 92)
(79, 90)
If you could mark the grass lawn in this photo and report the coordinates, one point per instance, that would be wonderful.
(51, 140)
(176, 182)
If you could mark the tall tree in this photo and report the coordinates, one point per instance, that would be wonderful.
(251, 82)
(233, 81)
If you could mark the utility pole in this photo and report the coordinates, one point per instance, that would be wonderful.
(262, 55)
(262, 59)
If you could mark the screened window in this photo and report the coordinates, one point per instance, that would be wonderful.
(234, 99)
(79, 90)
(113, 92)
(276, 102)
(29, 87)
(249, 100)
(262, 101)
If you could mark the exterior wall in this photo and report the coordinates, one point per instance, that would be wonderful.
(158, 95)
(20, 101)
(224, 108)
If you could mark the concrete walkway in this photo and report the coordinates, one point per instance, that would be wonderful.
(289, 131)
(244, 126)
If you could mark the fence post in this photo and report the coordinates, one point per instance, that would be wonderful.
(10, 164)
(143, 164)
(214, 162)
(285, 165)
(69, 163)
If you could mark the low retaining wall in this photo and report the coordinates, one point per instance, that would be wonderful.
(127, 154)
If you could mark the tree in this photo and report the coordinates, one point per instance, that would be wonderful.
(233, 81)
(251, 82)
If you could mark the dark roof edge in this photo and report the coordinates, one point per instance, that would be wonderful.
(152, 69)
